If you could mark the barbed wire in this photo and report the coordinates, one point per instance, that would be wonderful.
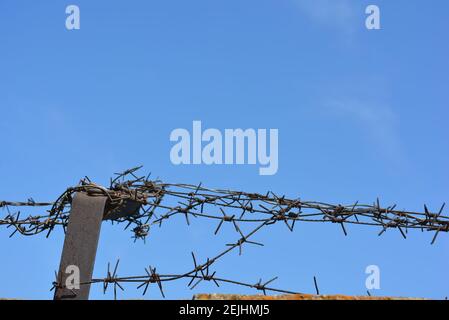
(157, 202)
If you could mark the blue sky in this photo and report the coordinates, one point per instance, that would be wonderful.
(361, 114)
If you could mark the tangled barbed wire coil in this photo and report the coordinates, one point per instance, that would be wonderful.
(156, 202)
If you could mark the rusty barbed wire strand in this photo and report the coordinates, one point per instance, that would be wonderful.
(152, 277)
(192, 200)
(158, 202)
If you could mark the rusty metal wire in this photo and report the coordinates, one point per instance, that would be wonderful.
(194, 277)
(158, 202)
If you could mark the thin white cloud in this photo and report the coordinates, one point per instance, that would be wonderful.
(377, 122)
(339, 14)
